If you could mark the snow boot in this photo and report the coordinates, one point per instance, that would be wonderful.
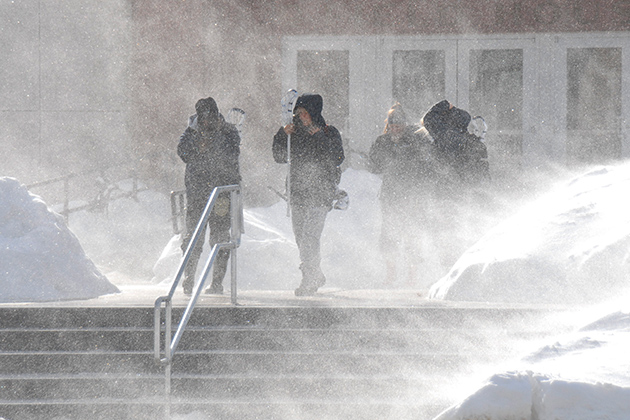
(188, 284)
(306, 290)
(215, 289)
(312, 279)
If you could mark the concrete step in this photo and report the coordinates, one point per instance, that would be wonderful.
(223, 387)
(232, 362)
(249, 363)
(105, 409)
(240, 338)
(443, 318)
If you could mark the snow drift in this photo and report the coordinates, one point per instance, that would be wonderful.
(586, 377)
(570, 246)
(40, 258)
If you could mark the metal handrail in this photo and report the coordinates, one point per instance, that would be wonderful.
(165, 355)
(65, 179)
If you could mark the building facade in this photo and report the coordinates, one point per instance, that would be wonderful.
(88, 84)
(562, 97)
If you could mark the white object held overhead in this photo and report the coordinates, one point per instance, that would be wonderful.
(236, 117)
(288, 102)
(478, 127)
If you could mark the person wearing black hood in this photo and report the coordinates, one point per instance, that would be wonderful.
(210, 148)
(462, 174)
(316, 155)
(462, 155)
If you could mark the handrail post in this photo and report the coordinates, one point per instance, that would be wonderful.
(175, 211)
(235, 240)
(157, 328)
(233, 293)
(66, 198)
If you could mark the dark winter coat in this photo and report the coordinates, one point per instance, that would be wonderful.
(211, 158)
(461, 157)
(406, 166)
(315, 164)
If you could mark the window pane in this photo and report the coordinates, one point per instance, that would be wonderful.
(496, 93)
(593, 104)
(418, 80)
(328, 74)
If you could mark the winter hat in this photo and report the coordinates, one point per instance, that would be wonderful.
(207, 107)
(313, 104)
(396, 115)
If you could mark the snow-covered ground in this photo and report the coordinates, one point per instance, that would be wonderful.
(569, 247)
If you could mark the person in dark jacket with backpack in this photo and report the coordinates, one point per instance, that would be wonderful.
(210, 148)
(316, 155)
(405, 162)
(461, 155)
(462, 174)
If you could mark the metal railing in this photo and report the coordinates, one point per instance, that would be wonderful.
(105, 192)
(178, 205)
(164, 353)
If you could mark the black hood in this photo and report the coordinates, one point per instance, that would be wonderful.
(313, 104)
(443, 118)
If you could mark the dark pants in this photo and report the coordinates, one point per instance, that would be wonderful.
(219, 224)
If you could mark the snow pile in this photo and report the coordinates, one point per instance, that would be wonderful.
(586, 377)
(40, 259)
(571, 246)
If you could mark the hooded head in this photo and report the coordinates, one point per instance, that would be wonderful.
(313, 104)
(460, 119)
(445, 118)
(207, 111)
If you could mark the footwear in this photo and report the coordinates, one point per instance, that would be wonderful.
(305, 290)
(188, 284)
(215, 289)
(320, 280)
(312, 276)
(188, 287)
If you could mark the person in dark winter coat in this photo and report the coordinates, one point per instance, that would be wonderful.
(316, 155)
(210, 148)
(405, 161)
(462, 174)
(462, 156)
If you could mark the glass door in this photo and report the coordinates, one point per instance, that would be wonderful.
(328, 74)
(417, 73)
(593, 116)
(595, 107)
(496, 81)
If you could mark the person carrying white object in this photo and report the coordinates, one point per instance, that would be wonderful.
(316, 153)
